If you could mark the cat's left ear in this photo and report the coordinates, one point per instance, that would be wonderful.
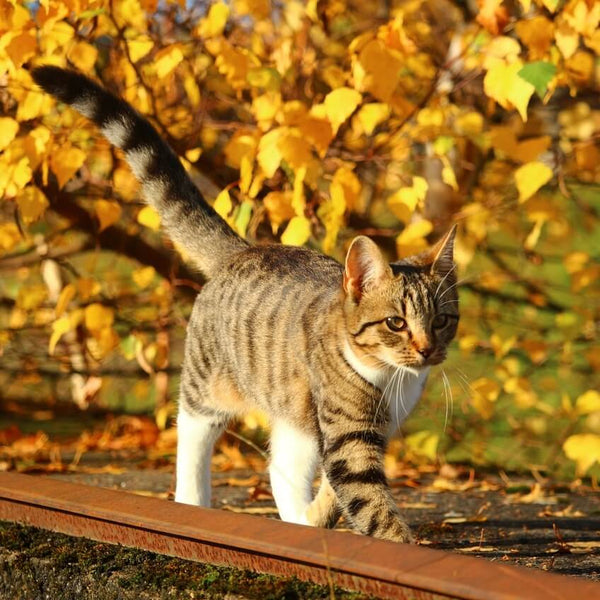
(365, 267)
(443, 254)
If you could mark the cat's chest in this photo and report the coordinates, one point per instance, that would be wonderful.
(401, 388)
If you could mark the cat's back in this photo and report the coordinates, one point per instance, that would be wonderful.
(271, 283)
(286, 264)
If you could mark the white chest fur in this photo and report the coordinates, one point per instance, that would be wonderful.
(401, 388)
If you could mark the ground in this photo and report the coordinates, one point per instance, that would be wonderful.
(516, 519)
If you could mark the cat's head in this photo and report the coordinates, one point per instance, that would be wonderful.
(404, 313)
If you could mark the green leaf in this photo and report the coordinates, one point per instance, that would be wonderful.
(242, 218)
(538, 74)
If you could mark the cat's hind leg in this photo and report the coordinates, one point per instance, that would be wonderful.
(197, 433)
(294, 457)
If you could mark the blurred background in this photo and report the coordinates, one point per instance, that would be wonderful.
(307, 123)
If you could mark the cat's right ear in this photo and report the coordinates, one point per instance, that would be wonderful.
(365, 267)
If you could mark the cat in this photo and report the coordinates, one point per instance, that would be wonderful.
(336, 355)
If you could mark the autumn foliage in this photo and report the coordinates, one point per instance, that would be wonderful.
(308, 123)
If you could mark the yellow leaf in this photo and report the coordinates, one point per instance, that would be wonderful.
(241, 144)
(265, 108)
(166, 60)
(431, 117)
(87, 288)
(318, 132)
(279, 207)
(66, 295)
(448, 175)
(502, 346)
(269, 155)
(297, 232)
(423, 443)
(17, 176)
(412, 238)
(83, 56)
(65, 162)
(31, 297)
(234, 63)
(97, 316)
(107, 212)
(130, 13)
(567, 39)
(485, 393)
(8, 131)
(259, 9)
(503, 84)
(298, 201)
(59, 328)
(192, 90)
(32, 106)
(371, 115)
(530, 178)
(470, 123)
(56, 36)
(588, 402)
(32, 203)
(143, 277)
(404, 202)
(492, 15)
(537, 34)
(124, 181)
(22, 47)
(340, 104)
(295, 150)
(377, 70)
(504, 139)
(9, 236)
(139, 47)
(534, 235)
(149, 218)
(215, 20)
(349, 188)
(584, 449)
(246, 172)
(331, 214)
(580, 67)
(223, 204)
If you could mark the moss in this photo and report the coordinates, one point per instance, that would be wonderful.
(38, 564)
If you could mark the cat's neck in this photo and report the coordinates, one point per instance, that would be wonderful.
(379, 376)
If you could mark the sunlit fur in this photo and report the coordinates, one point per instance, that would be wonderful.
(291, 332)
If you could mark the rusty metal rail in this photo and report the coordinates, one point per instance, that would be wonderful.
(353, 562)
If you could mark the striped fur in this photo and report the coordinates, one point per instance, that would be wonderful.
(336, 355)
(166, 186)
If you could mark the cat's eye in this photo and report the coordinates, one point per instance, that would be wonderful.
(396, 323)
(440, 321)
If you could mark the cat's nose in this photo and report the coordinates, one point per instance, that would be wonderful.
(425, 351)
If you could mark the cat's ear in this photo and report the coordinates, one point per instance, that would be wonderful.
(442, 254)
(365, 267)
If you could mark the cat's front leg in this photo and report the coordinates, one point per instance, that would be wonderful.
(324, 510)
(353, 461)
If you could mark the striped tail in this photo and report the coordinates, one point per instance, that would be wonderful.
(189, 220)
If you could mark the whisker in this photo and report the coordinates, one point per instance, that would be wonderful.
(442, 281)
(453, 286)
(448, 387)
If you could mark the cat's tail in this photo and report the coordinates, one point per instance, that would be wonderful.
(189, 220)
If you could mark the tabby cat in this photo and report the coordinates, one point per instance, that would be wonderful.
(337, 356)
